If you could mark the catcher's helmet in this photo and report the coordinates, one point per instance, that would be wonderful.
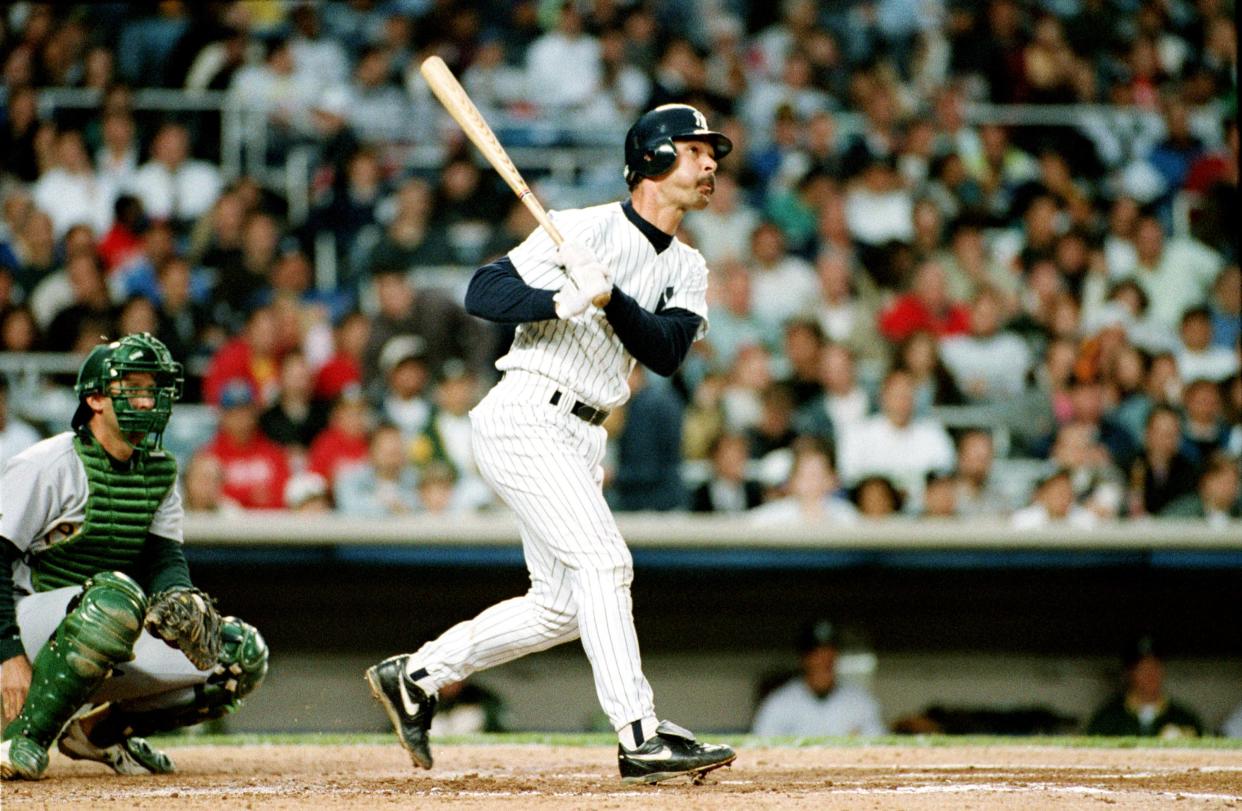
(103, 372)
(649, 150)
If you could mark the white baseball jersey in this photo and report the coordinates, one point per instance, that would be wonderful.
(546, 463)
(584, 355)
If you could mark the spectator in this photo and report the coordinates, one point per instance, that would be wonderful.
(804, 346)
(847, 307)
(444, 326)
(1199, 358)
(1053, 504)
(567, 44)
(255, 467)
(919, 354)
(782, 285)
(446, 437)
(243, 274)
(343, 443)
(969, 268)
(815, 703)
(1204, 430)
(1143, 708)
(344, 369)
(18, 150)
(404, 371)
(811, 497)
(940, 495)
(1162, 473)
(977, 494)
(116, 160)
(734, 323)
(379, 111)
(925, 306)
(408, 241)
(386, 485)
(297, 416)
(437, 490)
(465, 708)
(878, 497)
(321, 61)
(1226, 308)
(123, 241)
(253, 356)
(56, 289)
(69, 192)
(843, 401)
(202, 487)
(648, 468)
(773, 430)
(90, 311)
(184, 325)
(728, 489)
(307, 492)
(878, 207)
(173, 185)
(721, 231)
(894, 443)
(16, 435)
(1175, 274)
(1216, 497)
(19, 332)
(988, 364)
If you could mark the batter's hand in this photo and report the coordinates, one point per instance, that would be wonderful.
(585, 284)
(575, 256)
(15, 675)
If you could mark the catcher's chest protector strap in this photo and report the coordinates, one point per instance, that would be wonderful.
(120, 505)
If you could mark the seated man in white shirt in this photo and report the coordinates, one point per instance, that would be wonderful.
(172, 185)
(815, 703)
(893, 443)
(989, 363)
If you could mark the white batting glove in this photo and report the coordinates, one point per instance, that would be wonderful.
(574, 255)
(586, 283)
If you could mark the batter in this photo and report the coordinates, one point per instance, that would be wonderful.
(539, 441)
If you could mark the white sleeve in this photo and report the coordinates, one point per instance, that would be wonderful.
(690, 293)
(29, 499)
(169, 517)
(869, 721)
(768, 720)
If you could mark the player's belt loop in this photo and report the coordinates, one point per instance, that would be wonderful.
(584, 412)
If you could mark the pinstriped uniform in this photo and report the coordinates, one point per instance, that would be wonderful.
(546, 463)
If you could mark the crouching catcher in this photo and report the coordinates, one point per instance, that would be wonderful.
(104, 639)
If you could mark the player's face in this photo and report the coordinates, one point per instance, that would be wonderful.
(139, 388)
(692, 180)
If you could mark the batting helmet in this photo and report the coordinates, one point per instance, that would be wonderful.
(649, 150)
(107, 364)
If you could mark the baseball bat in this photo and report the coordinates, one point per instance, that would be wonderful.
(457, 101)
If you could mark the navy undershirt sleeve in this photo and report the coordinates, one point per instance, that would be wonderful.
(660, 341)
(10, 636)
(498, 293)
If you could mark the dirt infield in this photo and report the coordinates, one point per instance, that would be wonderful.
(554, 777)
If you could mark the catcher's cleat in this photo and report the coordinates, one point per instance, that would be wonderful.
(671, 752)
(409, 708)
(22, 759)
(131, 756)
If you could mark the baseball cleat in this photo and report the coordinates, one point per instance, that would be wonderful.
(131, 756)
(409, 708)
(671, 752)
(22, 759)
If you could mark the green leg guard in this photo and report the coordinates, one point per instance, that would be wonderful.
(241, 669)
(97, 634)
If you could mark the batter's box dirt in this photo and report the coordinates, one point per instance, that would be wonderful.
(365, 776)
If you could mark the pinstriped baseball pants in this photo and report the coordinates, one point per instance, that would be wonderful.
(546, 465)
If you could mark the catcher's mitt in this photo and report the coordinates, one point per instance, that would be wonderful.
(187, 620)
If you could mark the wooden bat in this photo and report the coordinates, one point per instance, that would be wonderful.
(457, 101)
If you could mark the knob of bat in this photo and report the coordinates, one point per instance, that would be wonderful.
(602, 299)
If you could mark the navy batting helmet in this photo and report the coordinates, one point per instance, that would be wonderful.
(649, 150)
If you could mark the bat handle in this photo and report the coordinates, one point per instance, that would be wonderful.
(602, 299)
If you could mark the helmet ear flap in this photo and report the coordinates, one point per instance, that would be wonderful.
(660, 158)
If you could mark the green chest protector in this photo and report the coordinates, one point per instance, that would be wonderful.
(120, 505)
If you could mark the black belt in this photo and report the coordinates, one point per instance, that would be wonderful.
(582, 411)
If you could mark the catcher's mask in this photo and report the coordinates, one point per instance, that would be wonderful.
(104, 370)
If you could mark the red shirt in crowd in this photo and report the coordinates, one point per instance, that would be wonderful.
(339, 373)
(254, 472)
(236, 359)
(335, 449)
(908, 314)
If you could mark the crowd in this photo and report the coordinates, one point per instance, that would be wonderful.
(911, 313)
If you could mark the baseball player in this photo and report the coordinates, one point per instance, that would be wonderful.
(539, 443)
(103, 638)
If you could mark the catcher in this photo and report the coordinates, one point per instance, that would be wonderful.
(103, 637)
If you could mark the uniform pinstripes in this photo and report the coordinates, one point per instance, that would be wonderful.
(547, 466)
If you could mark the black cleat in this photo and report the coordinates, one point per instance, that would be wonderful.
(671, 752)
(408, 707)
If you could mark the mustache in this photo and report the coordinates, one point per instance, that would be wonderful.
(708, 180)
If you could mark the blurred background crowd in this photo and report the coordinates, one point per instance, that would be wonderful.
(968, 259)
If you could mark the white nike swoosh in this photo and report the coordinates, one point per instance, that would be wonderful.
(663, 753)
(410, 707)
